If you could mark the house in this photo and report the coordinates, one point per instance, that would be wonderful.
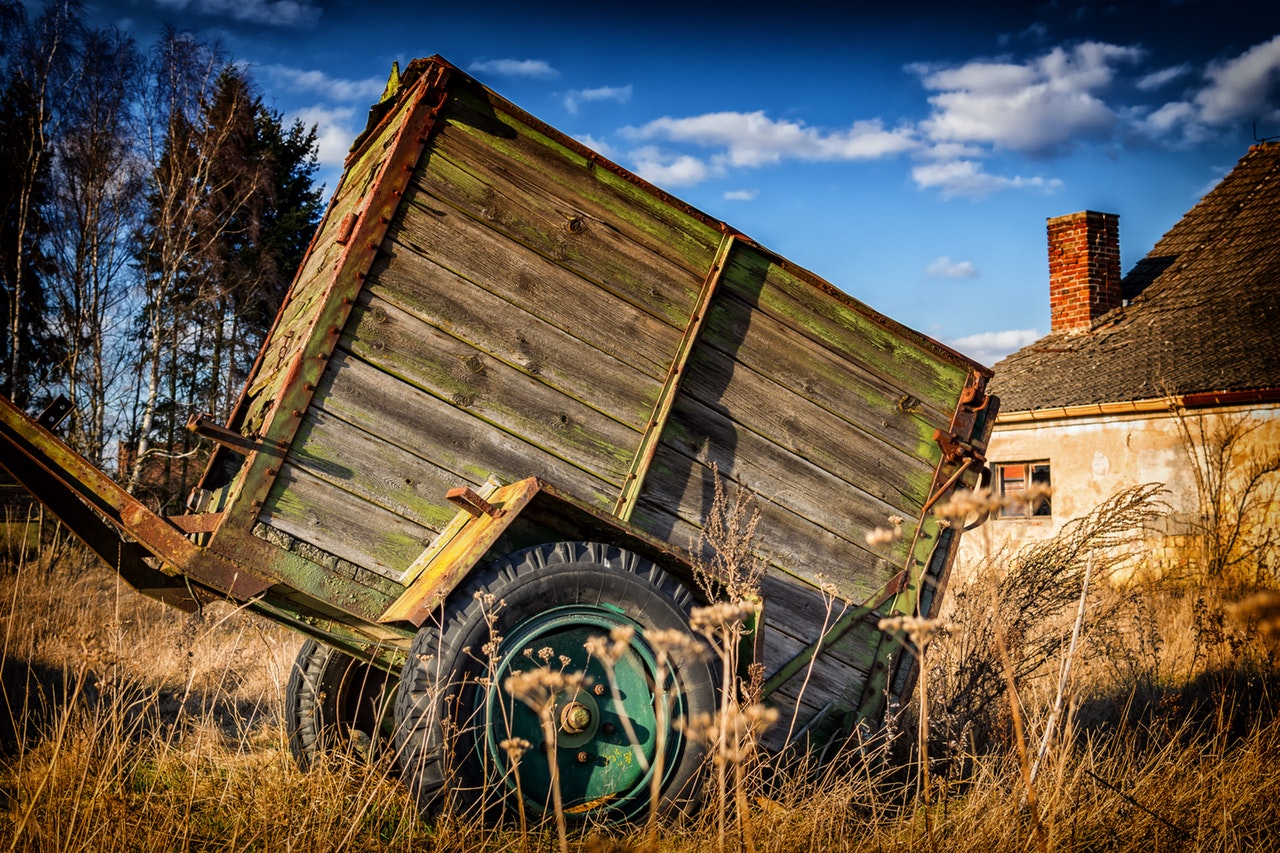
(1170, 374)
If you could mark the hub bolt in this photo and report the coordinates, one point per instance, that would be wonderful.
(574, 718)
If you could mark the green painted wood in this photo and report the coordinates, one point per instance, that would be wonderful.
(881, 409)
(377, 471)
(556, 346)
(450, 247)
(727, 405)
(590, 247)
(898, 355)
(341, 523)
(533, 155)
(791, 542)
(497, 395)
(455, 440)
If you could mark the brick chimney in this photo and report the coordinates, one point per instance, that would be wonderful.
(1084, 269)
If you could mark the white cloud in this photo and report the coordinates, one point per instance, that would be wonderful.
(572, 98)
(753, 139)
(298, 14)
(967, 178)
(311, 81)
(335, 129)
(536, 68)
(741, 195)
(1157, 79)
(989, 347)
(1245, 88)
(944, 267)
(1037, 106)
(668, 169)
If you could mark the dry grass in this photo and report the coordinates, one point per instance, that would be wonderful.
(130, 726)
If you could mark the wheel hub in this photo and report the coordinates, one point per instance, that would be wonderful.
(599, 765)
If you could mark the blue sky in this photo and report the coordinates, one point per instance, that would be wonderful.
(910, 158)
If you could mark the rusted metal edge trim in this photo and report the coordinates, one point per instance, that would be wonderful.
(344, 286)
(648, 446)
(847, 621)
(65, 476)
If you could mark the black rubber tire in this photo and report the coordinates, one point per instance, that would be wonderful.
(336, 704)
(445, 765)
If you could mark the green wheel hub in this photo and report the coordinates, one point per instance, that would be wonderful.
(600, 767)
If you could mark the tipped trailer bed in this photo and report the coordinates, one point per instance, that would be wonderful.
(510, 368)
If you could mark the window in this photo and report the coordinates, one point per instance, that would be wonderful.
(1024, 489)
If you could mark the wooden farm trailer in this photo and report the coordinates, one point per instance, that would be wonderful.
(497, 403)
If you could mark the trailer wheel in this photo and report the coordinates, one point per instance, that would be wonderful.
(465, 742)
(336, 704)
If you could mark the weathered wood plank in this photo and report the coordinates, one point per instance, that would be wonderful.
(341, 523)
(369, 466)
(879, 408)
(473, 251)
(781, 444)
(899, 356)
(525, 341)
(586, 245)
(506, 144)
(497, 395)
(453, 437)
(784, 482)
(678, 495)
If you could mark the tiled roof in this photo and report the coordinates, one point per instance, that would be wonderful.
(1201, 312)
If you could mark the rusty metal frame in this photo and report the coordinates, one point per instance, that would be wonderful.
(657, 422)
(114, 524)
(363, 239)
(932, 553)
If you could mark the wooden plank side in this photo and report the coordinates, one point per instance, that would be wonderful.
(367, 465)
(589, 246)
(492, 135)
(777, 475)
(341, 523)
(449, 436)
(898, 356)
(827, 678)
(876, 407)
(678, 496)
(781, 444)
(497, 395)
(431, 236)
(564, 351)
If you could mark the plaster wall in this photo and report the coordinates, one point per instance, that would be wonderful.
(1092, 457)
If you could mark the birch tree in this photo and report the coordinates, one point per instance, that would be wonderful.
(97, 190)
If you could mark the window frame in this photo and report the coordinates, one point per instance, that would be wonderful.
(1031, 472)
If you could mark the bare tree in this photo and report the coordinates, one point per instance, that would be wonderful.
(93, 212)
(192, 206)
(41, 74)
(1236, 465)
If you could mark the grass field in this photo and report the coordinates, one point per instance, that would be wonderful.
(127, 726)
